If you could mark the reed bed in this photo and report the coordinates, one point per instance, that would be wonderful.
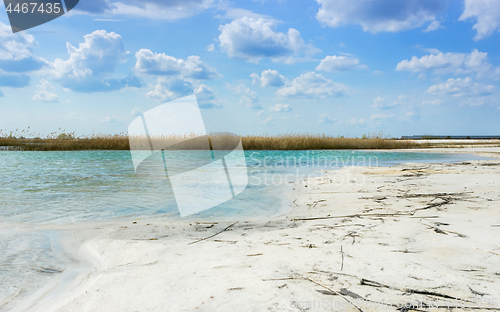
(69, 142)
(314, 142)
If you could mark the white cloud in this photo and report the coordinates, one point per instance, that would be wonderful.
(325, 119)
(268, 78)
(432, 102)
(487, 16)
(435, 25)
(88, 65)
(149, 63)
(383, 104)
(248, 97)
(312, 85)
(269, 120)
(462, 87)
(210, 47)
(259, 113)
(99, 54)
(457, 63)
(282, 108)
(168, 89)
(44, 93)
(16, 52)
(380, 15)
(206, 97)
(251, 40)
(339, 63)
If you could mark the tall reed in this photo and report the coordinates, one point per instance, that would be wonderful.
(69, 142)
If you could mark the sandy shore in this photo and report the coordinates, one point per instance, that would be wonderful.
(359, 239)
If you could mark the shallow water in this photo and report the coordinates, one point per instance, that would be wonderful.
(69, 187)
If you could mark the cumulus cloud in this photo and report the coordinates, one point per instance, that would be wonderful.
(380, 15)
(312, 85)
(462, 87)
(177, 77)
(248, 97)
(168, 89)
(44, 93)
(486, 13)
(456, 63)
(339, 63)
(149, 63)
(268, 78)
(88, 65)
(251, 40)
(16, 52)
(281, 108)
(206, 97)
(325, 119)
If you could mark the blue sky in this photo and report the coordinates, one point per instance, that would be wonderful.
(341, 67)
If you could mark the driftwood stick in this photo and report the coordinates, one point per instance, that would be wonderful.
(337, 293)
(491, 252)
(208, 237)
(367, 282)
(342, 253)
(359, 215)
(441, 231)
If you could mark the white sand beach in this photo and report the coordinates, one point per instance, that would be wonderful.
(359, 239)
